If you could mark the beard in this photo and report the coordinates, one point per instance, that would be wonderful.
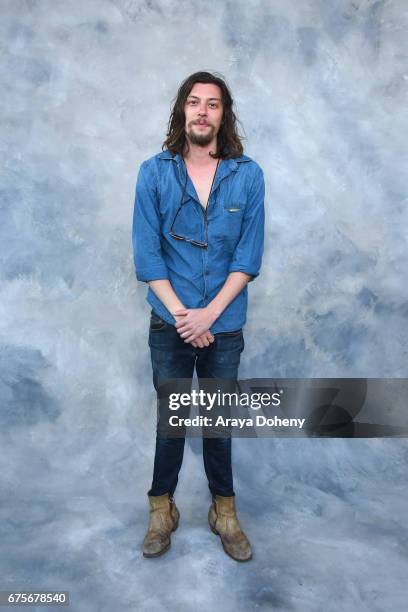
(202, 140)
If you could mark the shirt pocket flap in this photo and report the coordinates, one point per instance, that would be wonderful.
(234, 207)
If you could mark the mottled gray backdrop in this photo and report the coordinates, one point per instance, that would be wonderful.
(321, 91)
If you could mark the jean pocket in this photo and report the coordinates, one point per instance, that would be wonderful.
(156, 322)
(230, 334)
(230, 341)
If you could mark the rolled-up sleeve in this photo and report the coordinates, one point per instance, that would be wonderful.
(147, 251)
(249, 250)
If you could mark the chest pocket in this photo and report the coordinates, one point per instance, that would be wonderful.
(233, 213)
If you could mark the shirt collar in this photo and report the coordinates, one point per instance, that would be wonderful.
(225, 167)
(231, 162)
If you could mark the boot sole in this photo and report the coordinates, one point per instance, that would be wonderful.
(225, 550)
(161, 552)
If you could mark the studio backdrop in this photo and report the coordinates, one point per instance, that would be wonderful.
(320, 90)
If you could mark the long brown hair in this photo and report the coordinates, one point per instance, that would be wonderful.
(228, 141)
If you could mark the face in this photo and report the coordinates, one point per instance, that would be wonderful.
(203, 110)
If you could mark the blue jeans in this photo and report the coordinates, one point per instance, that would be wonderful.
(173, 358)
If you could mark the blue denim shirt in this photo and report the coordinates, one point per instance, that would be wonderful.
(235, 215)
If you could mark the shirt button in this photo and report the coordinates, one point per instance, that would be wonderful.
(206, 272)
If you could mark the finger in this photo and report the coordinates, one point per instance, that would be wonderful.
(181, 324)
(191, 337)
(188, 333)
(181, 311)
(184, 329)
(178, 324)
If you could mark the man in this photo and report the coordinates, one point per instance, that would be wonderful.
(198, 232)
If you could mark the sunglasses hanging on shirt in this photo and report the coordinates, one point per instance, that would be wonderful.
(178, 236)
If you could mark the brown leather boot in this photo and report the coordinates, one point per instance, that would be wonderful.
(223, 521)
(164, 518)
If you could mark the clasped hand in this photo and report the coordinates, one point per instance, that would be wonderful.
(193, 325)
